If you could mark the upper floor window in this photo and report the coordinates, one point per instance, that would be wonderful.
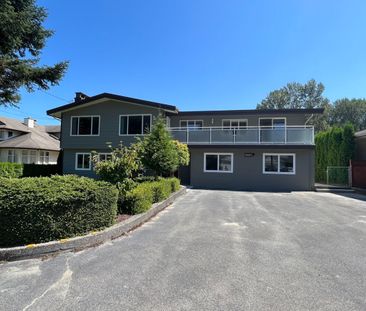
(10, 134)
(2, 135)
(134, 124)
(272, 122)
(191, 124)
(234, 124)
(85, 125)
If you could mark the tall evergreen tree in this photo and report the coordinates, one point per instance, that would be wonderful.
(22, 38)
(160, 154)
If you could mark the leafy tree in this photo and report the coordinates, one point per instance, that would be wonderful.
(183, 152)
(296, 96)
(351, 111)
(22, 37)
(159, 152)
(123, 164)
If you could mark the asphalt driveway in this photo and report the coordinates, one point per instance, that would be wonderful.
(212, 250)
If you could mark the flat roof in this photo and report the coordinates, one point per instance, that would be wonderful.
(252, 112)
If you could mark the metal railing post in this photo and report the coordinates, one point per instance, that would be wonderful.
(210, 135)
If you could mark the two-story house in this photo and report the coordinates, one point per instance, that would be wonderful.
(27, 142)
(262, 150)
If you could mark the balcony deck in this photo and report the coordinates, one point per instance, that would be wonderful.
(263, 135)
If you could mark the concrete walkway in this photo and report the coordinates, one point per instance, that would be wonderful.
(212, 250)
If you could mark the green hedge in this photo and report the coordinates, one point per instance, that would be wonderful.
(34, 210)
(11, 170)
(143, 195)
(38, 170)
(17, 170)
(334, 147)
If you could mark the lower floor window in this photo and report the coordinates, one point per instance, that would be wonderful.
(278, 163)
(44, 157)
(83, 161)
(218, 162)
(105, 156)
(12, 156)
(29, 156)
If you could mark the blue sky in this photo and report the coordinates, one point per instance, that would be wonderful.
(201, 54)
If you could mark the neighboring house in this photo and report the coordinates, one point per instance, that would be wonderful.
(269, 150)
(360, 146)
(27, 142)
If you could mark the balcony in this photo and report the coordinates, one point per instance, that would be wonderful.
(263, 135)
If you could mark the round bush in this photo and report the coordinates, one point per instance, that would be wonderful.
(41, 209)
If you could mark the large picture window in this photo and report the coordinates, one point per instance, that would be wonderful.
(85, 126)
(29, 156)
(83, 161)
(218, 162)
(134, 124)
(274, 163)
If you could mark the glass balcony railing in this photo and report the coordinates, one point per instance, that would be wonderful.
(295, 135)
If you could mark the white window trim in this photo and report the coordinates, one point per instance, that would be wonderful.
(142, 126)
(218, 163)
(104, 153)
(186, 127)
(13, 156)
(279, 166)
(89, 116)
(235, 120)
(273, 118)
(76, 161)
(44, 156)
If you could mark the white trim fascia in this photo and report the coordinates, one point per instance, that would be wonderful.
(128, 120)
(85, 116)
(100, 100)
(218, 162)
(278, 171)
(76, 161)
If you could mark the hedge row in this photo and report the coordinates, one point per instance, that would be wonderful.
(334, 147)
(141, 197)
(34, 210)
(17, 170)
(11, 170)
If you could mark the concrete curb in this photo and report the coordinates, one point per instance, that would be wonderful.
(89, 240)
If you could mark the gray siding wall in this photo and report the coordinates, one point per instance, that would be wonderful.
(253, 120)
(109, 112)
(360, 143)
(248, 171)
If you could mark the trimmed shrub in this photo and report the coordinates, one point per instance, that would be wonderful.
(143, 195)
(160, 190)
(11, 170)
(138, 200)
(34, 210)
(37, 170)
(175, 184)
